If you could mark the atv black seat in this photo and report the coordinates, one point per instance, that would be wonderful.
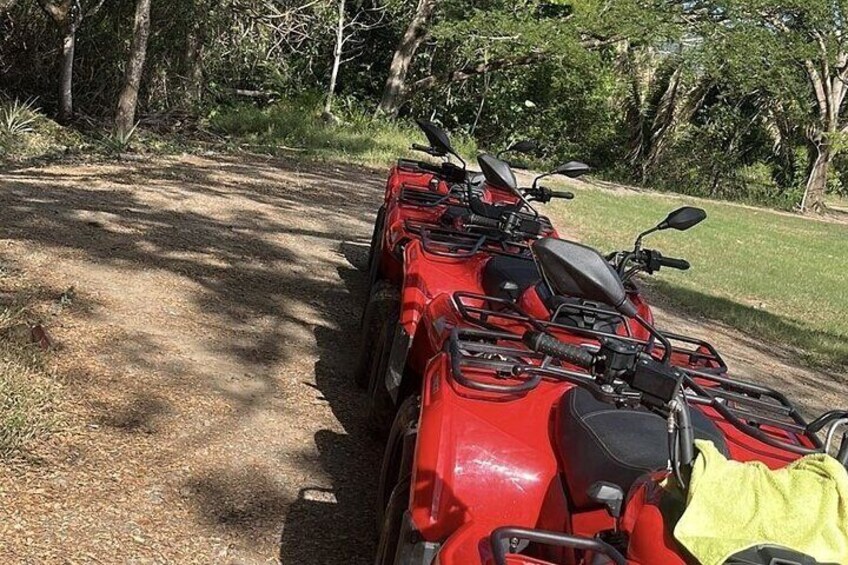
(598, 442)
(508, 277)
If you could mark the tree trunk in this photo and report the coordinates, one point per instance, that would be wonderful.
(399, 68)
(817, 182)
(337, 59)
(67, 15)
(193, 85)
(66, 82)
(125, 116)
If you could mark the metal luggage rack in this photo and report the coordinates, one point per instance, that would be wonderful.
(493, 313)
(495, 361)
(456, 244)
(425, 197)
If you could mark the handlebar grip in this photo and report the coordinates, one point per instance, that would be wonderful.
(562, 194)
(680, 264)
(482, 221)
(548, 345)
(419, 147)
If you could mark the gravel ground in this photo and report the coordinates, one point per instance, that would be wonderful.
(206, 356)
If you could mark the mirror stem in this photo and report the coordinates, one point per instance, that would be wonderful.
(537, 179)
(638, 245)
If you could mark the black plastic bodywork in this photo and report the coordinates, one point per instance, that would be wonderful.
(498, 173)
(572, 269)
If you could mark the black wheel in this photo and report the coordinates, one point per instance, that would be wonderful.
(375, 253)
(383, 300)
(381, 407)
(376, 235)
(393, 523)
(400, 447)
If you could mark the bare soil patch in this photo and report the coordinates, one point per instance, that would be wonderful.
(208, 409)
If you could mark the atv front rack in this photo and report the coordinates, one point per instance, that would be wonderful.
(424, 197)
(496, 362)
(507, 541)
(455, 244)
(498, 314)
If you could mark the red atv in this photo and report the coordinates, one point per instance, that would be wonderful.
(439, 283)
(533, 441)
(466, 218)
(420, 194)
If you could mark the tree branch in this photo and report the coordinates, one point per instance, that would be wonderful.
(475, 69)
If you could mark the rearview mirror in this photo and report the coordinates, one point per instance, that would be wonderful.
(436, 137)
(523, 146)
(572, 169)
(572, 269)
(498, 173)
(683, 218)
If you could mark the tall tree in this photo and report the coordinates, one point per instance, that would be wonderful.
(795, 51)
(67, 15)
(415, 34)
(128, 99)
(347, 31)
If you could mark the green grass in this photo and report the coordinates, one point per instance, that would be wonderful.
(294, 127)
(775, 276)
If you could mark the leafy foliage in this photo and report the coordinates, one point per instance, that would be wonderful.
(713, 97)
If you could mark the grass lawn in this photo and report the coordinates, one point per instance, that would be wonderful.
(779, 277)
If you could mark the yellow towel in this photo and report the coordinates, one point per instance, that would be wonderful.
(732, 506)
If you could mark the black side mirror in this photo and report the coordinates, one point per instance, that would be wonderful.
(683, 218)
(610, 495)
(572, 169)
(523, 146)
(436, 137)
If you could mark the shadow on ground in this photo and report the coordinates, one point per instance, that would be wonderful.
(259, 254)
(337, 525)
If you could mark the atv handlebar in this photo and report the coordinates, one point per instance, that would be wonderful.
(481, 221)
(425, 149)
(655, 260)
(548, 345)
(544, 194)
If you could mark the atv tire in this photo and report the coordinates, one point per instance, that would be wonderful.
(400, 447)
(393, 523)
(384, 299)
(376, 236)
(381, 407)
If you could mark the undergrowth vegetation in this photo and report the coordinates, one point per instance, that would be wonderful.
(27, 388)
(25, 132)
(297, 127)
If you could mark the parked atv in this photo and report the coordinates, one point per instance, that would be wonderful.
(533, 441)
(495, 215)
(438, 284)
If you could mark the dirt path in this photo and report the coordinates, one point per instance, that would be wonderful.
(206, 355)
